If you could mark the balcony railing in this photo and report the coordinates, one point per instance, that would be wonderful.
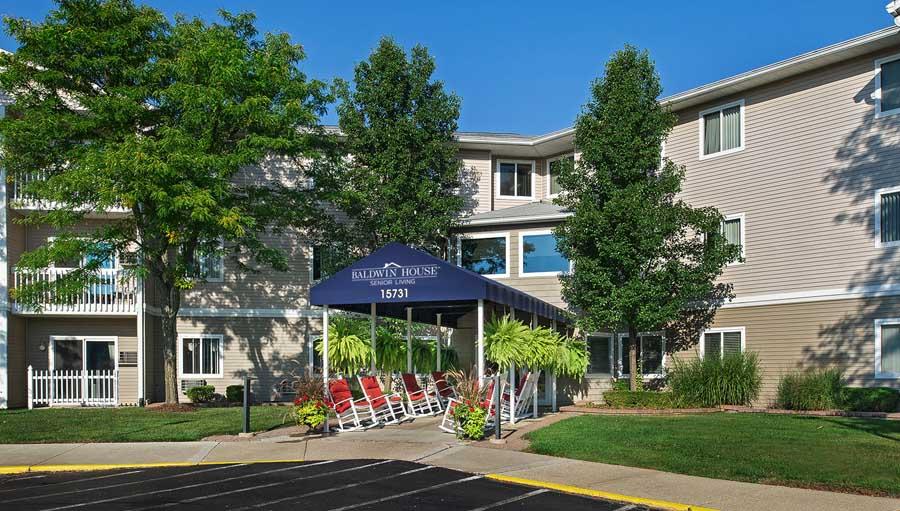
(113, 293)
(19, 198)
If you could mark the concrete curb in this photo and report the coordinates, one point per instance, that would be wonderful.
(24, 469)
(575, 490)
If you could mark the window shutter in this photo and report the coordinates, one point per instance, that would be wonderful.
(712, 344)
(731, 342)
(890, 217)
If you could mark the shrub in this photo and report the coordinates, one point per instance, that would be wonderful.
(880, 399)
(234, 393)
(470, 420)
(311, 413)
(201, 394)
(641, 399)
(815, 389)
(712, 381)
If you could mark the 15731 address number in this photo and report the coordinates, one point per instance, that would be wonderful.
(395, 293)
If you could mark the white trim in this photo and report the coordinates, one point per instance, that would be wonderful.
(877, 94)
(877, 210)
(51, 349)
(4, 293)
(481, 236)
(743, 218)
(702, 344)
(549, 193)
(702, 122)
(879, 323)
(516, 181)
(815, 295)
(200, 376)
(488, 138)
(536, 232)
(517, 219)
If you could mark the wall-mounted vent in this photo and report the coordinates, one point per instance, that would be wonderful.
(128, 359)
(189, 384)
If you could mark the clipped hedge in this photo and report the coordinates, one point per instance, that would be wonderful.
(815, 389)
(201, 394)
(879, 399)
(641, 399)
(234, 393)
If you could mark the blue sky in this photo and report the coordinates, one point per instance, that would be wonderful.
(525, 66)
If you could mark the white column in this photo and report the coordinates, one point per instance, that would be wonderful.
(4, 294)
(373, 320)
(512, 380)
(409, 363)
(325, 353)
(479, 328)
(534, 411)
(440, 336)
(553, 381)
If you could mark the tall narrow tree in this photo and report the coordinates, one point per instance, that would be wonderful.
(402, 175)
(644, 260)
(117, 106)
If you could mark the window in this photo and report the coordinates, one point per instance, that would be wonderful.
(887, 216)
(600, 350)
(722, 129)
(717, 342)
(553, 169)
(540, 256)
(650, 354)
(324, 263)
(487, 254)
(733, 231)
(210, 263)
(514, 178)
(201, 356)
(888, 77)
(887, 348)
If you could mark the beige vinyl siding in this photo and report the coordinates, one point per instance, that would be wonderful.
(266, 349)
(477, 176)
(795, 337)
(545, 288)
(814, 157)
(39, 331)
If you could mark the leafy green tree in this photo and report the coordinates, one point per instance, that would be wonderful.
(402, 175)
(121, 107)
(643, 258)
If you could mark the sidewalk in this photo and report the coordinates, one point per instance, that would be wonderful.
(421, 441)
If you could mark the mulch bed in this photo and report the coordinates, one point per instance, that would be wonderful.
(602, 410)
(171, 408)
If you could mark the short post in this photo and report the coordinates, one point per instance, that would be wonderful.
(246, 405)
(30, 387)
(497, 419)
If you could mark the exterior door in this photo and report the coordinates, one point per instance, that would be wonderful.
(600, 349)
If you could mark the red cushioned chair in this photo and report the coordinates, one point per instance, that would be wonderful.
(348, 410)
(418, 402)
(385, 408)
(442, 389)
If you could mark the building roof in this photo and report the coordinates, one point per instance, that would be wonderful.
(531, 212)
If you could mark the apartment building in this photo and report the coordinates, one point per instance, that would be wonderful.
(801, 156)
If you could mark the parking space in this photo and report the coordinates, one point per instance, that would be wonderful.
(314, 486)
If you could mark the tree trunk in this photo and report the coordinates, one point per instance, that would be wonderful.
(632, 357)
(170, 303)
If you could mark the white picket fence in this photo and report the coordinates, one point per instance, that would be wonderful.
(80, 388)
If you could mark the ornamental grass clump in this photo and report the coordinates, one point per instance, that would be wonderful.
(733, 379)
(815, 389)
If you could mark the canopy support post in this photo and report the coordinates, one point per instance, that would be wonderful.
(553, 382)
(480, 339)
(372, 335)
(409, 358)
(438, 343)
(534, 406)
(512, 379)
(325, 354)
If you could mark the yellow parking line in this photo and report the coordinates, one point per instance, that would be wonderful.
(22, 469)
(565, 488)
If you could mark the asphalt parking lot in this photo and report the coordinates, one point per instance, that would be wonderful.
(329, 485)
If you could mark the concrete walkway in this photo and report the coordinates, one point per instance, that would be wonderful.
(422, 441)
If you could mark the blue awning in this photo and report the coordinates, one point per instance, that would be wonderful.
(397, 277)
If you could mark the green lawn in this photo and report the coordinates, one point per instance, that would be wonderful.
(841, 454)
(58, 425)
